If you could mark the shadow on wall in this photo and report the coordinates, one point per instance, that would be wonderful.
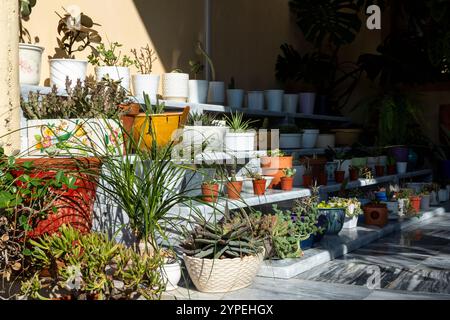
(174, 26)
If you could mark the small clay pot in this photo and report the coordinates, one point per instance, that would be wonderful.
(234, 189)
(379, 171)
(415, 203)
(259, 187)
(354, 174)
(339, 176)
(391, 169)
(287, 183)
(307, 180)
(210, 192)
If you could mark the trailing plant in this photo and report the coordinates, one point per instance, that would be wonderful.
(89, 100)
(103, 56)
(208, 58)
(236, 122)
(89, 267)
(76, 33)
(144, 59)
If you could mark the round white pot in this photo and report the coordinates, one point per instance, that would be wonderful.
(175, 86)
(326, 140)
(148, 83)
(237, 142)
(255, 100)
(235, 98)
(350, 223)
(443, 195)
(198, 91)
(402, 167)
(309, 138)
(274, 100)
(425, 202)
(298, 178)
(290, 141)
(216, 92)
(61, 69)
(196, 136)
(290, 103)
(307, 102)
(121, 74)
(171, 275)
(30, 61)
(345, 166)
(434, 198)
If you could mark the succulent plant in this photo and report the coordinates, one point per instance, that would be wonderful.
(196, 67)
(103, 56)
(25, 8)
(144, 59)
(289, 172)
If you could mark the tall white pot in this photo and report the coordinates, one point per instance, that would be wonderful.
(274, 100)
(307, 102)
(121, 74)
(290, 141)
(216, 92)
(198, 91)
(175, 86)
(235, 98)
(309, 138)
(30, 61)
(61, 69)
(255, 100)
(290, 103)
(148, 83)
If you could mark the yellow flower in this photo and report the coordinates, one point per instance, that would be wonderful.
(79, 131)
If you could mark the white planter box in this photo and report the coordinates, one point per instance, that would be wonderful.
(198, 91)
(30, 61)
(148, 83)
(213, 137)
(121, 74)
(290, 141)
(64, 137)
(236, 142)
(350, 223)
(61, 69)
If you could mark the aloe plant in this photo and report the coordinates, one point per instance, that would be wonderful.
(237, 123)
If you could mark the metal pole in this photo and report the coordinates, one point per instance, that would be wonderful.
(207, 36)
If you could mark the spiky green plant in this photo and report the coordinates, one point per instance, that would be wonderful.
(158, 108)
(237, 123)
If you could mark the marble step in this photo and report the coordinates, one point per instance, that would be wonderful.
(332, 247)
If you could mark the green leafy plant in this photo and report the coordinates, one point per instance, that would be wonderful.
(202, 51)
(275, 153)
(103, 56)
(289, 172)
(144, 59)
(157, 108)
(196, 68)
(25, 9)
(202, 118)
(77, 33)
(237, 123)
(305, 214)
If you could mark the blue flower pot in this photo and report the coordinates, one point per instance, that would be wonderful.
(381, 196)
(321, 223)
(308, 243)
(335, 220)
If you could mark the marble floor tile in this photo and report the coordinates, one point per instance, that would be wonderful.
(423, 281)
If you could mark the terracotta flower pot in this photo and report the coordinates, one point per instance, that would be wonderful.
(273, 167)
(234, 189)
(128, 113)
(376, 215)
(354, 174)
(339, 176)
(322, 179)
(415, 203)
(287, 183)
(210, 192)
(307, 180)
(379, 171)
(391, 169)
(259, 187)
(75, 206)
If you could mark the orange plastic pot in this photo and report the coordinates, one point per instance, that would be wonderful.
(376, 215)
(339, 176)
(74, 207)
(273, 167)
(287, 183)
(379, 171)
(415, 203)
(163, 127)
(234, 189)
(210, 192)
(259, 187)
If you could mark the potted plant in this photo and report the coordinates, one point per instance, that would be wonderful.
(404, 201)
(77, 34)
(157, 126)
(274, 100)
(239, 137)
(111, 65)
(287, 181)
(222, 256)
(274, 164)
(391, 166)
(415, 201)
(235, 97)
(354, 173)
(170, 269)
(198, 89)
(334, 211)
(305, 215)
(352, 210)
(30, 55)
(259, 184)
(309, 136)
(290, 137)
(210, 190)
(175, 86)
(234, 186)
(425, 203)
(376, 214)
(204, 132)
(308, 179)
(145, 81)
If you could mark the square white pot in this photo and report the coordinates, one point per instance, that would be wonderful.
(238, 142)
(210, 136)
(148, 83)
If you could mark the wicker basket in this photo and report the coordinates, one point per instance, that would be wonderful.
(223, 275)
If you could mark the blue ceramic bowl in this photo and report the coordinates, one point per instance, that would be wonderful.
(335, 219)
(308, 243)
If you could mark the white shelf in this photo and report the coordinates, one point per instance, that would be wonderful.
(318, 151)
(373, 182)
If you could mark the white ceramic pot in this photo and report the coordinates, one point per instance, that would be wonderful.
(309, 138)
(326, 140)
(403, 205)
(298, 178)
(290, 141)
(392, 206)
(61, 69)
(345, 166)
(307, 102)
(209, 136)
(198, 91)
(290, 103)
(402, 167)
(350, 223)
(175, 86)
(238, 142)
(216, 92)
(247, 185)
(425, 202)
(442, 195)
(434, 198)
(235, 98)
(255, 100)
(30, 61)
(115, 73)
(274, 100)
(148, 83)
(171, 275)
